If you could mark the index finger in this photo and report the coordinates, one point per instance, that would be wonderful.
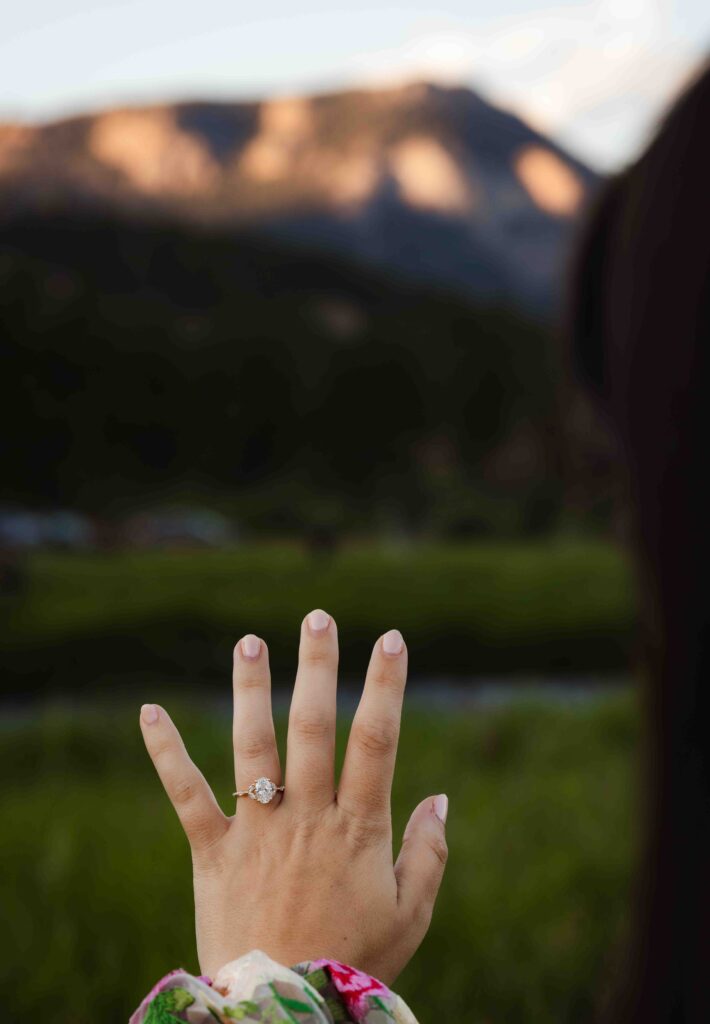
(188, 790)
(366, 779)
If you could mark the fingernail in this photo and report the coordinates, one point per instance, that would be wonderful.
(441, 807)
(149, 714)
(251, 645)
(318, 620)
(392, 642)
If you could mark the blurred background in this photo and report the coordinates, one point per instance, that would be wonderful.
(282, 326)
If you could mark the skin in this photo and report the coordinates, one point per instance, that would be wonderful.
(310, 874)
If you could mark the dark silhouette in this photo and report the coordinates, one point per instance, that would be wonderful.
(641, 333)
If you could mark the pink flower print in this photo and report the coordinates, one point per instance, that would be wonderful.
(355, 986)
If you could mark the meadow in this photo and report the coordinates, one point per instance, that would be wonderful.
(96, 886)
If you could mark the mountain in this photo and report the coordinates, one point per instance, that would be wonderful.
(429, 183)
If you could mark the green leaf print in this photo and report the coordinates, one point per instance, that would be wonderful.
(160, 1010)
(381, 1006)
(245, 1008)
(295, 1004)
(291, 1006)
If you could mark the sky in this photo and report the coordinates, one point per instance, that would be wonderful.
(595, 75)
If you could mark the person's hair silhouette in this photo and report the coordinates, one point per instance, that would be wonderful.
(640, 331)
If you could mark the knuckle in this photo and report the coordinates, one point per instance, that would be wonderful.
(250, 681)
(207, 854)
(255, 747)
(388, 677)
(375, 738)
(362, 837)
(183, 792)
(204, 864)
(161, 750)
(307, 828)
(317, 652)
(311, 724)
(364, 832)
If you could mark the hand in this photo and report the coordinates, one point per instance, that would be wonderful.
(311, 873)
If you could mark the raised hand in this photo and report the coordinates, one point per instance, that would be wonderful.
(309, 874)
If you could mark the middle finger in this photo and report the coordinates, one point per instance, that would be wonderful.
(310, 765)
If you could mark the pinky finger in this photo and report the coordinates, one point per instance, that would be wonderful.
(188, 791)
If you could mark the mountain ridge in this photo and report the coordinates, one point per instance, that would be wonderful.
(431, 182)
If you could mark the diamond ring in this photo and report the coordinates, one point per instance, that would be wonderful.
(262, 790)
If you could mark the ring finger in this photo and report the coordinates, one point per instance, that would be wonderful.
(255, 751)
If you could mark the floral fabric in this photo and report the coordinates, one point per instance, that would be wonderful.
(256, 990)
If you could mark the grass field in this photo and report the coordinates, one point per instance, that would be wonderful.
(96, 890)
(552, 606)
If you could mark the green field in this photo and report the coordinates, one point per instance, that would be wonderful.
(553, 606)
(96, 890)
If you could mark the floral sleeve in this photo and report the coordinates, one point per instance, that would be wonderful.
(256, 990)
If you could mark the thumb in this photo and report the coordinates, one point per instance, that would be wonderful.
(420, 865)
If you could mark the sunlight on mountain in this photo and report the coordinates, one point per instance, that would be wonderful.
(14, 142)
(550, 183)
(152, 152)
(285, 125)
(379, 176)
(429, 177)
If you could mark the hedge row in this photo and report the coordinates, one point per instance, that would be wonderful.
(552, 607)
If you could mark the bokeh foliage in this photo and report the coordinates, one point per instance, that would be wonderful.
(553, 606)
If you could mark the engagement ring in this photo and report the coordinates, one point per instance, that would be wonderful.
(262, 790)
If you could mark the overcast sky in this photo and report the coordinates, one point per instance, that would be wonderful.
(594, 74)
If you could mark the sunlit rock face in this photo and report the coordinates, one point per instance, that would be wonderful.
(154, 155)
(285, 127)
(550, 182)
(429, 177)
(430, 182)
(15, 142)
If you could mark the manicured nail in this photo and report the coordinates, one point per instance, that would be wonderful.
(441, 807)
(251, 645)
(149, 714)
(392, 642)
(318, 620)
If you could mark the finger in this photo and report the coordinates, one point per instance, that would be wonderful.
(195, 804)
(366, 780)
(422, 859)
(310, 765)
(255, 752)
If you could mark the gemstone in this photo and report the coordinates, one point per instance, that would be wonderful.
(262, 790)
